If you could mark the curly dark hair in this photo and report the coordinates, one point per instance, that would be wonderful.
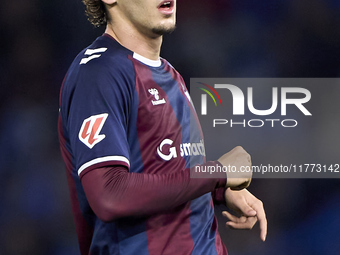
(96, 12)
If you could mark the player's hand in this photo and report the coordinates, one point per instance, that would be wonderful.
(237, 160)
(249, 207)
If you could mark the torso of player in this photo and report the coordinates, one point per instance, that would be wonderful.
(169, 135)
(127, 110)
(145, 117)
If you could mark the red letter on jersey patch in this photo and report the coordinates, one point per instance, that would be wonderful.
(89, 131)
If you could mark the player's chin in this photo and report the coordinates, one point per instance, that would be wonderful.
(163, 30)
(167, 27)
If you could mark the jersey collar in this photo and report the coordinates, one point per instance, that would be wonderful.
(146, 61)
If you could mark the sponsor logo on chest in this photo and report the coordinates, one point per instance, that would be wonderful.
(166, 152)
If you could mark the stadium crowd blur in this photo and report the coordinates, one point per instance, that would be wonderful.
(219, 38)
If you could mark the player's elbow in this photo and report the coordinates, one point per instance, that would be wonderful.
(108, 211)
(106, 216)
(104, 194)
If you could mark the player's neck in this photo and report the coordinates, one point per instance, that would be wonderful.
(132, 39)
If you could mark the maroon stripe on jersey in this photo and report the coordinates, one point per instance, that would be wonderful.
(219, 245)
(84, 231)
(168, 232)
(181, 85)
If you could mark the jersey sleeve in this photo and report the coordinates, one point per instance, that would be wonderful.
(99, 105)
(115, 193)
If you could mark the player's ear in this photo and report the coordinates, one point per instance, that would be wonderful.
(109, 2)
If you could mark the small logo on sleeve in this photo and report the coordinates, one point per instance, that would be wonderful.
(155, 93)
(90, 129)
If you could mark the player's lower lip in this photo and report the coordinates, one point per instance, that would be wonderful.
(166, 11)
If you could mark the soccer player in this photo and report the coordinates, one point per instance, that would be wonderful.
(129, 134)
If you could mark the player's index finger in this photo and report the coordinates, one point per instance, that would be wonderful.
(263, 225)
(263, 228)
(261, 216)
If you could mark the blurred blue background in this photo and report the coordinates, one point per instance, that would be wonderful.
(219, 38)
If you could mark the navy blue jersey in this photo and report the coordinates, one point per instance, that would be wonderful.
(119, 108)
